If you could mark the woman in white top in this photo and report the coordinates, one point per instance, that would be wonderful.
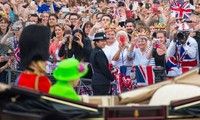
(120, 57)
(138, 52)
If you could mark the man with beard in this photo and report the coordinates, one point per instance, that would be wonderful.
(130, 27)
(182, 52)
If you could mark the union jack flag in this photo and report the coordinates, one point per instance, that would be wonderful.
(17, 53)
(181, 10)
(180, 62)
(144, 75)
(138, 77)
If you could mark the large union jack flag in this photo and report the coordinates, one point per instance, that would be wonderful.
(124, 81)
(144, 75)
(181, 10)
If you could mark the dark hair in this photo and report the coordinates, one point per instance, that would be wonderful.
(130, 20)
(107, 15)
(7, 21)
(52, 15)
(87, 23)
(120, 4)
(79, 31)
(73, 14)
(99, 14)
(35, 15)
(34, 44)
(163, 32)
(78, 50)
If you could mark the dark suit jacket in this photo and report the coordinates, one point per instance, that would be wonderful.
(99, 61)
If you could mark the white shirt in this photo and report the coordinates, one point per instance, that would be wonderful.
(123, 60)
(111, 50)
(138, 57)
(192, 48)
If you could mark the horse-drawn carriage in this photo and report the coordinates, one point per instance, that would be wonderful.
(177, 98)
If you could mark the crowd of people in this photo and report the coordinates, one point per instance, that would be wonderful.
(130, 33)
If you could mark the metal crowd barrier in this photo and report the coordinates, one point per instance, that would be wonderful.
(84, 86)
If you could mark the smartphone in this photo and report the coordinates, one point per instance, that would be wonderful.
(157, 42)
(155, 8)
(135, 5)
(85, 19)
(61, 21)
(15, 29)
(81, 8)
(122, 39)
(128, 14)
(30, 23)
(65, 10)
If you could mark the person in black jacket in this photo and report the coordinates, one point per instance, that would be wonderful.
(79, 47)
(102, 75)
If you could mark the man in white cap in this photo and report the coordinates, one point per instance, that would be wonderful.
(182, 52)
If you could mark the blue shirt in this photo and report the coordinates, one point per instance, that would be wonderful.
(45, 8)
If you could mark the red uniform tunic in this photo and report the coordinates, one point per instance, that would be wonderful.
(34, 81)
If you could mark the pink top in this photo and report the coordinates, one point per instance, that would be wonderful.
(54, 50)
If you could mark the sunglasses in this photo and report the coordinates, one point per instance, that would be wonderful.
(10, 54)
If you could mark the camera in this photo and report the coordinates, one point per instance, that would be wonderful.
(75, 38)
(157, 40)
(182, 35)
(188, 21)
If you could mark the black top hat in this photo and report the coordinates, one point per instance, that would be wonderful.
(34, 44)
(100, 36)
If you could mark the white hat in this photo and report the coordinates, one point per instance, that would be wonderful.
(184, 27)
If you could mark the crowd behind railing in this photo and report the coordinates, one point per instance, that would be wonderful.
(139, 33)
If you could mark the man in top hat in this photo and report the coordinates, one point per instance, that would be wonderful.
(102, 75)
(182, 52)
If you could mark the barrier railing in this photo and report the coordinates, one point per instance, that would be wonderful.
(84, 86)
